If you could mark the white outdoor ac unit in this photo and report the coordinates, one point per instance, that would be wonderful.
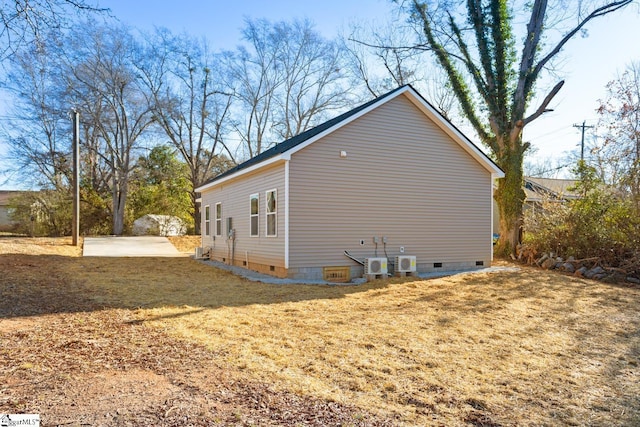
(375, 266)
(199, 252)
(405, 263)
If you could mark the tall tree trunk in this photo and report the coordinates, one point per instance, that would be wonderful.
(196, 213)
(510, 199)
(119, 203)
(494, 86)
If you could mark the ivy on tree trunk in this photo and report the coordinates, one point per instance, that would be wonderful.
(494, 84)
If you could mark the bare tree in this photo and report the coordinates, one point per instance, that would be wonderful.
(477, 47)
(618, 153)
(255, 75)
(546, 168)
(286, 80)
(105, 82)
(27, 21)
(311, 77)
(37, 135)
(190, 104)
(384, 57)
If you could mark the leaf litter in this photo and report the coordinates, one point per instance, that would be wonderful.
(144, 342)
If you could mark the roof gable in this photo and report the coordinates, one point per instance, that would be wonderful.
(283, 150)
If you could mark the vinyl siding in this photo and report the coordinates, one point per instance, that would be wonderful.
(402, 178)
(234, 196)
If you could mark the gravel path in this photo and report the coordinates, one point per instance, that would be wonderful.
(265, 278)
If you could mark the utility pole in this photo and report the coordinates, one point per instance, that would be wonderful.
(75, 226)
(583, 126)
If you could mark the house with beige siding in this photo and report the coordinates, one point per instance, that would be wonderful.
(389, 178)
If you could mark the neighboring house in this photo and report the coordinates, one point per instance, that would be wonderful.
(390, 177)
(538, 190)
(6, 223)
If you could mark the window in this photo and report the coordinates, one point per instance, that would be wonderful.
(272, 219)
(254, 209)
(207, 221)
(218, 219)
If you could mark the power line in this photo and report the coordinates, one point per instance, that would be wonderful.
(561, 129)
(583, 126)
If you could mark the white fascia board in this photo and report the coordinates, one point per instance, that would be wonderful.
(270, 161)
(286, 214)
(454, 133)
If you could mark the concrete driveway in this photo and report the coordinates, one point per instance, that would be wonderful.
(129, 246)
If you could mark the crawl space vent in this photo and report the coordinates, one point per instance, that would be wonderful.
(336, 274)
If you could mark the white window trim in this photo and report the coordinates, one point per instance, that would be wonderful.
(207, 230)
(252, 215)
(218, 220)
(267, 213)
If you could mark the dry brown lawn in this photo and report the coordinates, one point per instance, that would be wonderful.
(186, 244)
(172, 341)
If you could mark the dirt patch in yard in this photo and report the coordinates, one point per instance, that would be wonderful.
(105, 341)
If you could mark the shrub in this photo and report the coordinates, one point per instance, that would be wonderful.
(42, 213)
(600, 223)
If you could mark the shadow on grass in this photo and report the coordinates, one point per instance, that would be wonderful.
(33, 285)
(165, 316)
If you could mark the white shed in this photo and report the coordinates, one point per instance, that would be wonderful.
(159, 225)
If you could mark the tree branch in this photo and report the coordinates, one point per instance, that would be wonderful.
(601, 11)
(543, 106)
(484, 87)
(419, 46)
(457, 82)
(526, 77)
